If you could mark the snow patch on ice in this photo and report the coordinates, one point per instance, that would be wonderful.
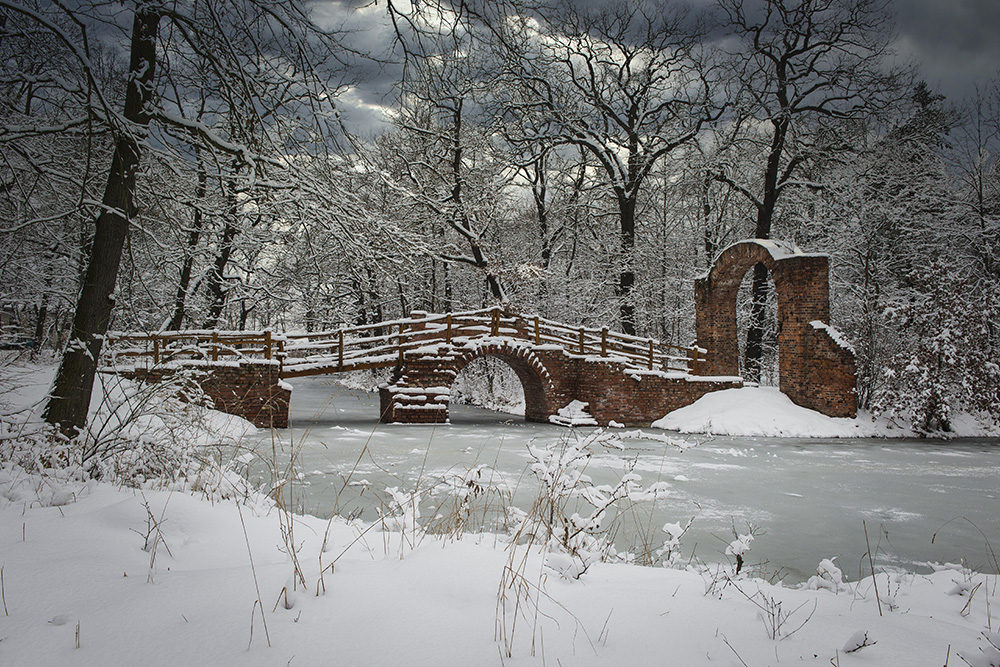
(761, 411)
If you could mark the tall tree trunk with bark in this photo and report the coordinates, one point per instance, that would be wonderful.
(217, 284)
(754, 352)
(626, 275)
(70, 395)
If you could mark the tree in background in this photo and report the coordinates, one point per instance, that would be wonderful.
(239, 42)
(804, 68)
(625, 83)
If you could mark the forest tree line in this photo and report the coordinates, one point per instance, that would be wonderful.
(185, 164)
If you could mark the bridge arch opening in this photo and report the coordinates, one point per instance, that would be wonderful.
(513, 368)
(489, 382)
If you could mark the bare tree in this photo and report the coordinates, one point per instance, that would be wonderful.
(241, 43)
(454, 173)
(625, 83)
(804, 66)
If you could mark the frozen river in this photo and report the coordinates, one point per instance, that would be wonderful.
(805, 498)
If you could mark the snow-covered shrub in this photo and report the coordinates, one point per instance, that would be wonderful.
(738, 547)
(670, 552)
(569, 512)
(402, 511)
(476, 500)
(828, 577)
(858, 641)
(159, 435)
(949, 359)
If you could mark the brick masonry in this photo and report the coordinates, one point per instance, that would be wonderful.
(551, 378)
(248, 389)
(816, 370)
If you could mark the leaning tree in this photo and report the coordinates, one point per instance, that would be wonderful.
(263, 62)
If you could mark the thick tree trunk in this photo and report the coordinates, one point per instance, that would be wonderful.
(754, 351)
(626, 278)
(217, 287)
(539, 193)
(69, 398)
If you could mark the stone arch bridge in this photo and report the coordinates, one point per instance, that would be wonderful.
(627, 379)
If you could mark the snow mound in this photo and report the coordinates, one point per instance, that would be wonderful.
(760, 411)
(574, 414)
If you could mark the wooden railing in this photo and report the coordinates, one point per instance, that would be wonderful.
(385, 344)
(215, 346)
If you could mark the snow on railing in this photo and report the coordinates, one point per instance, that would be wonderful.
(385, 344)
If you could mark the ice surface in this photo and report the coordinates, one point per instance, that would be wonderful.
(809, 495)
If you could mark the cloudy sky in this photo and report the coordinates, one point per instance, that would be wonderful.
(955, 45)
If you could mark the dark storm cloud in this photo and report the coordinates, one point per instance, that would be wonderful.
(365, 28)
(955, 43)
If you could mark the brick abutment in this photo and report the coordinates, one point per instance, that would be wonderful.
(249, 389)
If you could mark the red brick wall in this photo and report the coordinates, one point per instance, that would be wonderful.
(551, 379)
(249, 389)
(813, 370)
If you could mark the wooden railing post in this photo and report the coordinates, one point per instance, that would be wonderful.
(399, 342)
(156, 349)
(215, 346)
(538, 334)
(694, 360)
(581, 340)
(447, 330)
(604, 342)
(496, 322)
(650, 354)
(267, 345)
(340, 350)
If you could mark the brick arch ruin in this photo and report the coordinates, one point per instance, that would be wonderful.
(816, 368)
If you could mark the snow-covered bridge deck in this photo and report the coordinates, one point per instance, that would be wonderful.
(557, 363)
(386, 344)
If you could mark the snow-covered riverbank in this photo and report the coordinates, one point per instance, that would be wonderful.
(212, 573)
(116, 577)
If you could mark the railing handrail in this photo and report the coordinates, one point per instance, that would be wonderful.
(385, 343)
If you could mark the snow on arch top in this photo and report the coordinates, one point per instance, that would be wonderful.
(778, 249)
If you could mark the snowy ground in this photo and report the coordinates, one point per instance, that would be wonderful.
(95, 574)
(119, 577)
(765, 411)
